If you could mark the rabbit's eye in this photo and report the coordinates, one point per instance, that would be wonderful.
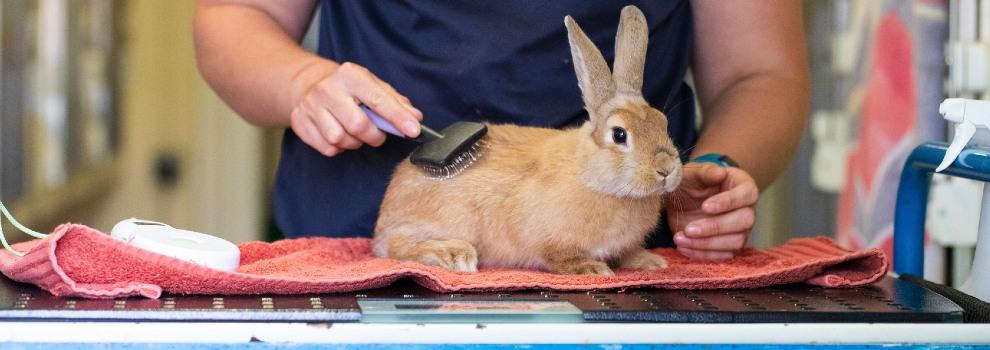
(619, 136)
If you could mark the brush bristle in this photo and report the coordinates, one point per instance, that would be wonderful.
(461, 162)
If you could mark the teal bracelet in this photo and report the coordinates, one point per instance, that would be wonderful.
(716, 158)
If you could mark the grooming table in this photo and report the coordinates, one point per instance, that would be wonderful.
(893, 311)
(891, 300)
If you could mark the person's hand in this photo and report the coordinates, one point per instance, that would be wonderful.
(327, 116)
(713, 210)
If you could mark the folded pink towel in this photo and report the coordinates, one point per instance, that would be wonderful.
(79, 261)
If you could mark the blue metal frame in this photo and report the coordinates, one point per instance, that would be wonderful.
(912, 198)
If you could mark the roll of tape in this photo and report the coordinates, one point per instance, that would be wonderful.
(195, 247)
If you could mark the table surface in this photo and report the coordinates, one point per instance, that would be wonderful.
(893, 312)
(889, 301)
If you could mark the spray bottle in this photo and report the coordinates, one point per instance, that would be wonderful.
(970, 115)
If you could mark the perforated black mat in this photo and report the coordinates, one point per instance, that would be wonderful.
(891, 300)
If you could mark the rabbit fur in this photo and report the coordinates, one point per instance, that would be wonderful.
(566, 201)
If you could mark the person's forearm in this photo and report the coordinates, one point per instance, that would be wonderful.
(758, 121)
(252, 63)
(751, 75)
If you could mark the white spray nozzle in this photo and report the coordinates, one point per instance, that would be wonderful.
(953, 109)
(969, 114)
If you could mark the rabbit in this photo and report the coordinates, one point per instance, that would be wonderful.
(563, 201)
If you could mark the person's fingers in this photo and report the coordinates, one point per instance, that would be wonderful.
(741, 219)
(329, 126)
(743, 194)
(705, 254)
(701, 180)
(355, 121)
(713, 175)
(403, 99)
(308, 133)
(362, 84)
(729, 242)
(388, 87)
(332, 110)
(700, 192)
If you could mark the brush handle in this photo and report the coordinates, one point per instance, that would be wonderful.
(426, 134)
(380, 122)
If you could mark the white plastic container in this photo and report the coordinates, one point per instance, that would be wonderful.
(195, 247)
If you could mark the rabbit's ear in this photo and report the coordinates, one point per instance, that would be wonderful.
(630, 51)
(593, 75)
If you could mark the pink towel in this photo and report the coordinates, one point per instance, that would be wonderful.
(79, 261)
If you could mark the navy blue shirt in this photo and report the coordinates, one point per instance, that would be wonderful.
(505, 61)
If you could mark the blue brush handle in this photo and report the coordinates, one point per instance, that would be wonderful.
(380, 122)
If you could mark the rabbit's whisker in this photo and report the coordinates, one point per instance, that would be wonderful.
(678, 104)
(686, 150)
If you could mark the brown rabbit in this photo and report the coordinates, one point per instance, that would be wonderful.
(567, 201)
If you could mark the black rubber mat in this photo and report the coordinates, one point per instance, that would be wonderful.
(891, 300)
(26, 302)
(976, 310)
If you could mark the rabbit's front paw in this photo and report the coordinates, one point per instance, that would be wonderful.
(453, 254)
(589, 267)
(643, 260)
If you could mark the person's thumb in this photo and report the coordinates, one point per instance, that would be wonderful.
(712, 175)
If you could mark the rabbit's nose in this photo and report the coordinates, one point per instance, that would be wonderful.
(663, 173)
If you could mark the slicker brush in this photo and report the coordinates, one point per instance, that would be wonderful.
(441, 155)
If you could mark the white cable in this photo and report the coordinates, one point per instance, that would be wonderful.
(17, 225)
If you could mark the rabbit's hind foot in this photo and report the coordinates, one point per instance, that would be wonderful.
(451, 254)
(573, 262)
(643, 259)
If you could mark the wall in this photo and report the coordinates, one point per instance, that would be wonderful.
(167, 109)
